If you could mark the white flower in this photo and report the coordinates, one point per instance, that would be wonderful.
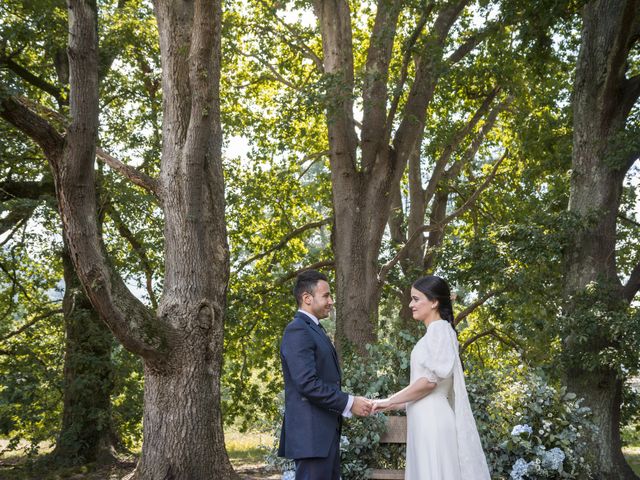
(518, 429)
(289, 475)
(344, 441)
(519, 469)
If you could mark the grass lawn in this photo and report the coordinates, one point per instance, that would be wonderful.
(249, 447)
(632, 454)
(246, 451)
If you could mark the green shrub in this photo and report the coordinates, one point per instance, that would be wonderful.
(530, 427)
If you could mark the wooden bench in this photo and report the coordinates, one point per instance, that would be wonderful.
(396, 433)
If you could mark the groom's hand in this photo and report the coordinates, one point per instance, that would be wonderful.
(361, 407)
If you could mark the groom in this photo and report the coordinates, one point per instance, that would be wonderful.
(314, 403)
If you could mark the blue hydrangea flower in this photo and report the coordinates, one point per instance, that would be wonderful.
(289, 475)
(518, 429)
(519, 469)
(553, 459)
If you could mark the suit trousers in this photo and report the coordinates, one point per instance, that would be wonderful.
(321, 468)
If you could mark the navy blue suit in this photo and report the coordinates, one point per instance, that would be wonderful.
(313, 400)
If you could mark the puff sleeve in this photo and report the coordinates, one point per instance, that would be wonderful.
(438, 355)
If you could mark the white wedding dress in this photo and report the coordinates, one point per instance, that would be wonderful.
(442, 437)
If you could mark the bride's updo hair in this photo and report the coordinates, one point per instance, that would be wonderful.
(436, 289)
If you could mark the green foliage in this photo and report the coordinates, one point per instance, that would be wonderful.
(127, 397)
(602, 331)
(522, 414)
(384, 372)
(630, 413)
(31, 338)
(511, 241)
(266, 201)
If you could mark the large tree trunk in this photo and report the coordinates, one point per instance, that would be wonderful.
(602, 100)
(183, 422)
(360, 218)
(87, 434)
(365, 173)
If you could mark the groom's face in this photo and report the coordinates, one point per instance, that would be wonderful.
(319, 303)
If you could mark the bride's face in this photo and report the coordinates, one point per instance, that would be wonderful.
(421, 307)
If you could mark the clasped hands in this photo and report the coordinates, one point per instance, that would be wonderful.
(363, 407)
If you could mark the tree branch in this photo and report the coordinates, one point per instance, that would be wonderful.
(30, 324)
(478, 303)
(128, 318)
(406, 58)
(15, 281)
(337, 44)
(284, 240)
(476, 337)
(374, 90)
(137, 177)
(301, 46)
(21, 113)
(633, 284)
(457, 139)
(471, 151)
(427, 228)
(470, 43)
(34, 80)
(27, 190)
(507, 341)
(314, 266)
(276, 75)
(429, 70)
(314, 157)
(396, 227)
(137, 247)
(18, 114)
(15, 220)
(624, 218)
(630, 91)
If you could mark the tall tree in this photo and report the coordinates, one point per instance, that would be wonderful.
(366, 169)
(605, 147)
(181, 344)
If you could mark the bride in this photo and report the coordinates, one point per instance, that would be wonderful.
(442, 438)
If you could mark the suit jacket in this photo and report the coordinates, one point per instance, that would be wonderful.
(313, 400)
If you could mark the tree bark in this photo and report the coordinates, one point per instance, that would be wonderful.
(603, 97)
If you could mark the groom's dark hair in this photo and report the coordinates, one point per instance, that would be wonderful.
(306, 283)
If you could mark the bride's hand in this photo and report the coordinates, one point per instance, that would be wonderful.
(381, 405)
